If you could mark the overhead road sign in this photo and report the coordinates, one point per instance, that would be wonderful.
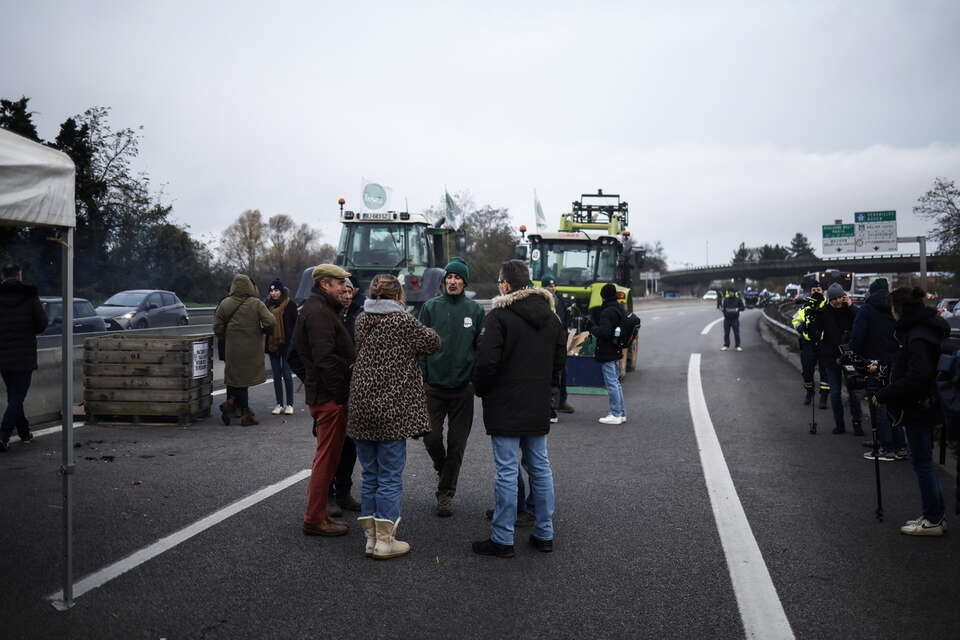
(876, 231)
(839, 238)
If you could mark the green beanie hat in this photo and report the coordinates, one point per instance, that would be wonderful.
(548, 280)
(879, 284)
(459, 267)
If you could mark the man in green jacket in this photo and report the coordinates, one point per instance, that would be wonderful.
(446, 373)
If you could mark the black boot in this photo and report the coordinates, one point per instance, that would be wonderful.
(857, 428)
(837, 430)
(823, 400)
(227, 410)
(809, 398)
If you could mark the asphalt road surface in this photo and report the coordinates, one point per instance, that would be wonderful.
(710, 514)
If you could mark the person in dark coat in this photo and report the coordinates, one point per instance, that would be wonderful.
(607, 320)
(550, 284)
(326, 351)
(872, 337)
(520, 353)
(731, 306)
(22, 319)
(278, 342)
(836, 321)
(911, 398)
(340, 499)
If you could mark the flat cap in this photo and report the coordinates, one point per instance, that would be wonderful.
(329, 271)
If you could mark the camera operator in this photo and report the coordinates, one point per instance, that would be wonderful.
(911, 398)
(807, 323)
(872, 338)
(836, 321)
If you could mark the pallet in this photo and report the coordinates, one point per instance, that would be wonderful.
(142, 413)
(146, 380)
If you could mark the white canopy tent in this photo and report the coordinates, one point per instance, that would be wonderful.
(37, 189)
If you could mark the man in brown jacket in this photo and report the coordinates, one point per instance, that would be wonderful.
(327, 353)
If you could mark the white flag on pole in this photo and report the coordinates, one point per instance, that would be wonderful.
(541, 219)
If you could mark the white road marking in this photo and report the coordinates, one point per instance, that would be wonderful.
(655, 318)
(220, 392)
(760, 608)
(108, 573)
(707, 328)
(46, 432)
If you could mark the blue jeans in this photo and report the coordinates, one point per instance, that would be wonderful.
(282, 377)
(506, 457)
(383, 464)
(18, 384)
(731, 321)
(921, 454)
(890, 437)
(835, 376)
(611, 378)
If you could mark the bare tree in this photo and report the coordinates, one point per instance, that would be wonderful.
(941, 204)
(242, 243)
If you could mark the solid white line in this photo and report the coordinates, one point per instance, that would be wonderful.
(760, 608)
(108, 573)
(46, 432)
(220, 392)
(707, 328)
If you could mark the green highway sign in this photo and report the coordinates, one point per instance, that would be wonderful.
(875, 216)
(839, 238)
(876, 231)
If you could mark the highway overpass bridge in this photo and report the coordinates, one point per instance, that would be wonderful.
(701, 277)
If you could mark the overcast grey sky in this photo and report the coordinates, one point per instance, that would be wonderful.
(719, 122)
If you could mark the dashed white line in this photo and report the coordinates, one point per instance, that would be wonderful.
(108, 573)
(707, 328)
(760, 608)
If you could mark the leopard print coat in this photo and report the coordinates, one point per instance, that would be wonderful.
(387, 401)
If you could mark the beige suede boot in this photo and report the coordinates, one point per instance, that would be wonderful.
(370, 531)
(387, 545)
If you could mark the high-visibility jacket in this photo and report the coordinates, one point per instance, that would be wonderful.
(807, 322)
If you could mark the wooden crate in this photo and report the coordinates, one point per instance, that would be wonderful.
(148, 379)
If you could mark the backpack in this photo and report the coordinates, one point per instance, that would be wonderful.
(629, 327)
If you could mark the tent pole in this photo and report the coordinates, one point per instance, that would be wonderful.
(67, 466)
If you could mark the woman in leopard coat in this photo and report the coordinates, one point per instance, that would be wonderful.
(387, 406)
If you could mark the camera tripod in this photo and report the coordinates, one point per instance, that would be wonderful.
(876, 452)
(813, 416)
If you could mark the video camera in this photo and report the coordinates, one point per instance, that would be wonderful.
(856, 370)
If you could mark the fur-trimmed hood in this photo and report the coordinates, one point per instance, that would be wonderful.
(535, 306)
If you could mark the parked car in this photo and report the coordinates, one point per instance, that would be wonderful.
(710, 295)
(143, 309)
(944, 306)
(85, 318)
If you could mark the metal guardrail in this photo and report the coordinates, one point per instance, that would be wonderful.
(782, 328)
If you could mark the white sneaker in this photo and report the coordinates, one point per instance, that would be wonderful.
(289, 410)
(924, 527)
(724, 348)
(739, 348)
(623, 419)
(277, 409)
(609, 419)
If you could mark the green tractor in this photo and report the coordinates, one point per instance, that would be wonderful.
(403, 244)
(591, 248)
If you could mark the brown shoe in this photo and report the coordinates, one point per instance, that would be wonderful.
(248, 419)
(328, 528)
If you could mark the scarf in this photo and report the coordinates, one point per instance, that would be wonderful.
(277, 338)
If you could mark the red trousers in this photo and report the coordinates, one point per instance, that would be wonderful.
(330, 422)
